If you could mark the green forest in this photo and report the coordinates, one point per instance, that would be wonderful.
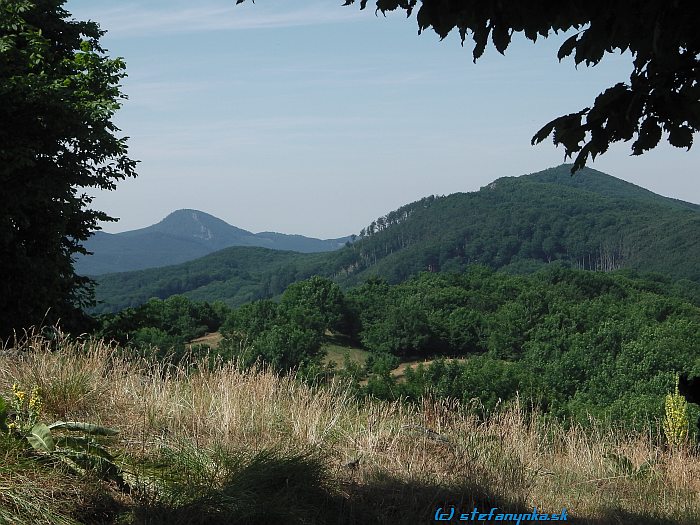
(573, 343)
(588, 221)
(577, 294)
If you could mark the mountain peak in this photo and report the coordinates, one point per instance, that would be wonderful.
(181, 236)
(195, 215)
(199, 218)
(201, 226)
(600, 183)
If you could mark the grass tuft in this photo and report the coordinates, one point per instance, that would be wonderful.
(215, 486)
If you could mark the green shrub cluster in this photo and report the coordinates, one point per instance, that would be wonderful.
(286, 335)
(577, 343)
(163, 326)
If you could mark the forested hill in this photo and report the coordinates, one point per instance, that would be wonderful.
(588, 221)
(591, 221)
(235, 275)
(605, 185)
(182, 236)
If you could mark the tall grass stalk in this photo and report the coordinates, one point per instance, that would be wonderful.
(383, 462)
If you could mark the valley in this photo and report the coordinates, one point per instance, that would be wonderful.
(590, 221)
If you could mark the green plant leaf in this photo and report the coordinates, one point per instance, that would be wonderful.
(40, 438)
(3, 414)
(75, 467)
(88, 428)
(83, 444)
(103, 467)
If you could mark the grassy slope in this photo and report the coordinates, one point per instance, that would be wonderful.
(201, 428)
(336, 351)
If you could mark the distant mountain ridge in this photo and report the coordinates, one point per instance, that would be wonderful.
(591, 221)
(182, 236)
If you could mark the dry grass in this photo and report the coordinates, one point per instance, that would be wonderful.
(336, 354)
(411, 458)
(212, 339)
(400, 371)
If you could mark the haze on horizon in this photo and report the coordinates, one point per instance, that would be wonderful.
(312, 118)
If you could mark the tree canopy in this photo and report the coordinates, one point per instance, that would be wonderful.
(662, 95)
(58, 93)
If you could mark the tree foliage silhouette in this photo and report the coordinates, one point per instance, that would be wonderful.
(662, 95)
(58, 93)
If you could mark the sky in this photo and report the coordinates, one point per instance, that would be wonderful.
(312, 118)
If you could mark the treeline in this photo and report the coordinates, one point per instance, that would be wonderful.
(235, 276)
(396, 217)
(576, 343)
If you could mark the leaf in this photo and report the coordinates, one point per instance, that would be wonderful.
(681, 137)
(481, 37)
(40, 438)
(501, 38)
(104, 467)
(530, 33)
(559, 125)
(613, 97)
(3, 414)
(569, 132)
(567, 47)
(386, 5)
(71, 464)
(83, 444)
(544, 132)
(88, 428)
(649, 136)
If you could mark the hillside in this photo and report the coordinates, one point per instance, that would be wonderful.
(235, 275)
(605, 185)
(221, 445)
(518, 224)
(182, 236)
(521, 223)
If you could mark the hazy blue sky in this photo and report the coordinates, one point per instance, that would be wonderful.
(302, 116)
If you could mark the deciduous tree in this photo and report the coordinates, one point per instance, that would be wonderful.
(662, 95)
(58, 93)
